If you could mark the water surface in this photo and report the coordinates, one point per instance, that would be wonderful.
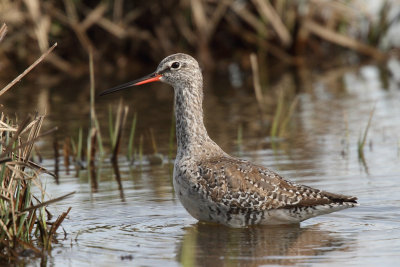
(145, 225)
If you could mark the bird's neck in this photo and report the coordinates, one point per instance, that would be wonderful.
(191, 134)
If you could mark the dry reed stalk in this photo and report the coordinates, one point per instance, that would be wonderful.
(267, 10)
(255, 39)
(119, 126)
(92, 159)
(216, 17)
(185, 29)
(199, 15)
(34, 132)
(33, 166)
(93, 16)
(288, 116)
(206, 25)
(67, 153)
(44, 204)
(92, 90)
(342, 40)
(42, 31)
(117, 30)
(118, 178)
(34, 64)
(162, 34)
(273, 50)
(123, 29)
(56, 156)
(42, 23)
(24, 125)
(18, 215)
(93, 117)
(118, 10)
(27, 143)
(63, 65)
(58, 222)
(73, 21)
(3, 31)
(248, 17)
(342, 9)
(256, 82)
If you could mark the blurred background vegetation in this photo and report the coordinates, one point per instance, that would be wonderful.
(265, 45)
(124, 35)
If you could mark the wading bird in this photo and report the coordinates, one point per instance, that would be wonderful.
(216, 187)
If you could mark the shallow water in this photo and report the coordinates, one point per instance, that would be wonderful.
(145, 225)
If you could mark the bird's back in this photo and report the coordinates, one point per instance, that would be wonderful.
(237, 193)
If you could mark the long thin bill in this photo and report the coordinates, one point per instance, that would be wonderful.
(154, 77)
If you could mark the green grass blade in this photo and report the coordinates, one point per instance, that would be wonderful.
(132, 137)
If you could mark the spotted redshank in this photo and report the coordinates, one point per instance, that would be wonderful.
(216, 187)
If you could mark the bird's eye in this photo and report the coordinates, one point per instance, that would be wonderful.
(175, 65)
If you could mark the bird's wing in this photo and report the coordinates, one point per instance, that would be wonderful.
(243, 185)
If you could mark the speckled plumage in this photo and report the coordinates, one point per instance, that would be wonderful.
(215, 187)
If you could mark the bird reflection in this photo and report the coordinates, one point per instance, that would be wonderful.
(217, 245)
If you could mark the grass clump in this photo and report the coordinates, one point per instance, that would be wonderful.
(24, 220)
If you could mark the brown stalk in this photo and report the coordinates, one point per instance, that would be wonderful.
(46, 203)
(4, 160)
(119, 125)
(31, 165)
(34, 64)
(25, 123)
(153, 141)
(118, 178)
(118, 10)
(341, 8)
(184, 29)
(76, 26)
(205, 26)
(33, 134)
(217, 16)
(199, 16)
(3, 31)
(272, 49)
(8, 150)
(30, 246)
(92, 159)
(63, 65)
(58, 222)
(93, 16)
(242, 12)
(2, 225)
(115, 29)
(342, 40)
(56, 155)
(256, 82)
(42, 23)
(267, 10)
(67, 153)
(162, 34)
